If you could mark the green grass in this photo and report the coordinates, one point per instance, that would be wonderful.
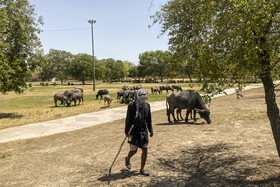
(36, 103)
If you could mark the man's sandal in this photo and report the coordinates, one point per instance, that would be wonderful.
(127, 163)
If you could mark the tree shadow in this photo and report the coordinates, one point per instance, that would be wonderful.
(10, 116)
(117, 176)
(212, 166)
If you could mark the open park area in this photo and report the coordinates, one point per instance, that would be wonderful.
(236, 149)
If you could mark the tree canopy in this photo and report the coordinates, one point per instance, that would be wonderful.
(18, 41)
(228, 41)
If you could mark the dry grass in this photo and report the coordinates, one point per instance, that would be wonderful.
(36, 104)
(236, 149)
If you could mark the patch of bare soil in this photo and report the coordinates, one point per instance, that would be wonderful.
(236, 149)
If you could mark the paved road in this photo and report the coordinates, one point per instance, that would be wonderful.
(35, 130)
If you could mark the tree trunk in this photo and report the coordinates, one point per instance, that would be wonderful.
(190, 77)
(61, 80)
(272, 109)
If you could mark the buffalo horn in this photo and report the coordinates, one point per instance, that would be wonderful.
(199, 110)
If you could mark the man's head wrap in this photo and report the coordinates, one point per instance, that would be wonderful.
(141, 97)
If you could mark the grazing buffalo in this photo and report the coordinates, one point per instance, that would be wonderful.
(137, 87)
(101, 93)
(59, 97)
(120, 94)
(192, 113)
(190, 100)
(125, 87)
(155, 89)
(79, 88)
(74, 95)
(177, 87)
(108, 99)
(128, 96)
(165, 87)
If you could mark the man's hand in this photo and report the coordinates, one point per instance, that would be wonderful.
(151, 134)
(127, 135)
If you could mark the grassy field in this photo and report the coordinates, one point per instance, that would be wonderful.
(36, 103)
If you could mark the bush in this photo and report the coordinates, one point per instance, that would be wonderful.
(42, 84)
(54, 84)
(46, 84)
(30, 85)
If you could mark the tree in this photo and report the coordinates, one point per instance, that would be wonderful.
(154, 64)
(81, 67)
(231, 41)
(18, 41)
(57, 65)
(100, 69)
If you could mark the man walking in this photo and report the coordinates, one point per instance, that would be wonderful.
(139, 115)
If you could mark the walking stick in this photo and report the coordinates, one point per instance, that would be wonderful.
(119, 152)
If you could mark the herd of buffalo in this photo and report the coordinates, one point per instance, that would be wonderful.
(179, 99)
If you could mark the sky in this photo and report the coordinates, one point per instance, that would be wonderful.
(121, 30)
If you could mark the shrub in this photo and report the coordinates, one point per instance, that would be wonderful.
(30, 85)
(42, 84)
(46, 84)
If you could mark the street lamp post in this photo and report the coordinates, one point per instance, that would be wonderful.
(93, 74)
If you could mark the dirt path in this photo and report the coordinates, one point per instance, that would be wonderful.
(236, 149)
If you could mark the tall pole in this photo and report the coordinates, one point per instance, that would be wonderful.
(93, 73)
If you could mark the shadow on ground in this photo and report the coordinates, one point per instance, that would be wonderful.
(116, 176)
(10, 115)
(213, 166)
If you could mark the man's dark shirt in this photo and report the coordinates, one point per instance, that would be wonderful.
(141, 123)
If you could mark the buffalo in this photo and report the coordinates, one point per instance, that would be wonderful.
(190, 100)
(120, 94)
(165, 87)
(125, 87)
(177, 87)
(74, 95)
(59, 97)
(101, 93)
(137, 87)
(155, 89)
(79, 88)
(108, 99)
(128, 96)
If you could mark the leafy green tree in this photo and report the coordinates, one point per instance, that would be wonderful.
(81, 67)
(18, 41)
(146, 63)
(155, 64)
(57, 65)
(133, 72)
(100, 70)
(230, 41)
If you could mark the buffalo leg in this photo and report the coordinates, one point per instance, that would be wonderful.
(172, 110)
(187, 116)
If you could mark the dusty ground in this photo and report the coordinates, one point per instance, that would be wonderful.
(236, 149)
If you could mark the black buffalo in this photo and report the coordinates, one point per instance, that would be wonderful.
(125, 87)
(128, 96)
(101, 93)
(60, 97)
(155, 89)
(177, 87)
(74, 95)
(190, 100)
(165, 87)
(137, 87)
(120, 94)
